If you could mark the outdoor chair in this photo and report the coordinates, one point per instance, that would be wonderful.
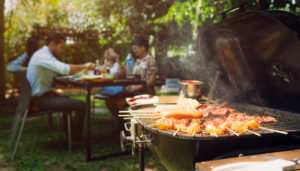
(98, 96)
(24, 111)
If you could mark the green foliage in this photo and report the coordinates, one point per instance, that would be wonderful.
(181, 12)
(172, 24)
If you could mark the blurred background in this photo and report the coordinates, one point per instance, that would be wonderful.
(94, 25)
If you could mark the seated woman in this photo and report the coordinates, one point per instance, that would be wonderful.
(145, 67)
(33, 43)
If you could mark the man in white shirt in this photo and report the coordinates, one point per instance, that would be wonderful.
(42, 67)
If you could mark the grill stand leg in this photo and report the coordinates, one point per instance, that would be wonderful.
(141, 157)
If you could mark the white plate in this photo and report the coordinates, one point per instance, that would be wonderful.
(91, 77)
(147, 100)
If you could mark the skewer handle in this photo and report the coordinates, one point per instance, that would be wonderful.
(255, 133)
(137, 111)
(274, 130)
(138, 115)
(141, 117)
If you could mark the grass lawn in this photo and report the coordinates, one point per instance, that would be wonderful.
(43, 147)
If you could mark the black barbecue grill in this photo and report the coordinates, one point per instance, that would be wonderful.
(258, 55)
(181, 151)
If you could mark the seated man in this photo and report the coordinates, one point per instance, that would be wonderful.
(40, 72)
(146, 67)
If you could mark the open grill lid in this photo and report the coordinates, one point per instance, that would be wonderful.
(258, 54)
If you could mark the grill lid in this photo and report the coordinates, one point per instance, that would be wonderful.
(258, 54)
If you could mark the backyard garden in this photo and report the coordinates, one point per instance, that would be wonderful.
(91, 27)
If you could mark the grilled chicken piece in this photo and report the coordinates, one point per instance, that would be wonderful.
(194, 127)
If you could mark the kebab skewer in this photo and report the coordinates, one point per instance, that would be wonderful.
(194, 127)
(218, 126)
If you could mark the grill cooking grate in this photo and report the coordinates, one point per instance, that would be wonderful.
(287, 121)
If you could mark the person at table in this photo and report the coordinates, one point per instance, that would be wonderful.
(145, 67)
(42, 67)
(111, 61)
(111, 65)
(33, 43)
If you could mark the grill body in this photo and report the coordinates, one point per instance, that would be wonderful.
(180, 152)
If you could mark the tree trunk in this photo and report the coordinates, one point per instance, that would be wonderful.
(2, 71)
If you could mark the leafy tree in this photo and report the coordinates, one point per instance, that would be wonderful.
(171, 25)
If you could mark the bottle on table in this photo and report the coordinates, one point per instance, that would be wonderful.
(107, 64)
(129, 66)
(97, 68)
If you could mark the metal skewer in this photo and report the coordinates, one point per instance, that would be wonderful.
(175, 133)
(137, 111)
(274, 130)
(232, 131)
(194, 133)
(141, 117)
(255, 133)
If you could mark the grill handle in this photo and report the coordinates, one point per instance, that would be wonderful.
(127, 126)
